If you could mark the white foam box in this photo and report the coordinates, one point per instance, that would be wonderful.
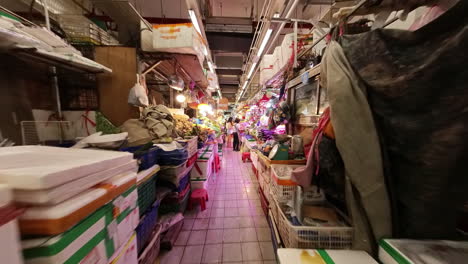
(203, 168)
(127, 253)
(314, 256)
(58, 194)
(267, 68)
(178, 38)
(10, 251)
(278, 57)
(406, 251)
(84, 243)
(287, 48)
(40, 167)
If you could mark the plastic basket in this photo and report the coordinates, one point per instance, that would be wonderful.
(146, 194)
(151, 252)
(313, 237)
(146, 158)
(146, 227)
(282, 189)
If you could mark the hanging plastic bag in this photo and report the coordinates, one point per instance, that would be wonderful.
(137, 95)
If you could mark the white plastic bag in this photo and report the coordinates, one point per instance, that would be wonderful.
(137, 95)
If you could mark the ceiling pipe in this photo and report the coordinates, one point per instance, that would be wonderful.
(286, 14)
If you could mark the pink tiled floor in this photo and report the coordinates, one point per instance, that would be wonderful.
(232, 229)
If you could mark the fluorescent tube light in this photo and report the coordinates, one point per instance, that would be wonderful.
(264, 41)
(194, 19)
(251, 70)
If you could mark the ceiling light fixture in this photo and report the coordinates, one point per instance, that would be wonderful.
(251, 70)
(276, 15)
(264, 41)
(180, 98)
(205, 50)
(194, 19)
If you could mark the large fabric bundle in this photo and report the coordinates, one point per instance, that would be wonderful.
(417, 89)
(400, 99)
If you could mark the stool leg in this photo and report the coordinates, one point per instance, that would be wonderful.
(189, 205)
(206, 196)
(202, 204)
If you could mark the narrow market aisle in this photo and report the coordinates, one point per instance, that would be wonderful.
(233, 228)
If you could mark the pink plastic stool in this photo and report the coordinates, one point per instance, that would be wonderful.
(199, 196)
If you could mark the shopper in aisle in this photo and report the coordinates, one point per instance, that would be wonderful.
(229, 132)
(236, 134)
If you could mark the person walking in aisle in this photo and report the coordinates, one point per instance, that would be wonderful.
(229, 132)
(236, 135)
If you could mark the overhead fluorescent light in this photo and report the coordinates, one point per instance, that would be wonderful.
(194, 19)
(210, 64)
(205, 50)
(251, 70)
(243, 87)
(264, 41)
(276, 15)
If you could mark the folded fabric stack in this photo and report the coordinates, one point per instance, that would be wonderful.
(79, 204)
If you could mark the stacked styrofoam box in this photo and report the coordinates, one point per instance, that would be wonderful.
(278, 54)
(267, 68)
(287, 48)
(178, 38)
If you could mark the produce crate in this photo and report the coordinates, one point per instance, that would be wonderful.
(146, 194)
(282, 188)
(146, 157)
(312, 237)
(151, 252)
(173, 171)
(146, 227)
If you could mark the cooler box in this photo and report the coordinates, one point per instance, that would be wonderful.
(405, 251)
(313, 256)
(10, 251)
(204, 165)
(84, 242)
(127, 253)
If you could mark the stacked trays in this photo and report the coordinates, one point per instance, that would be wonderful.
(190, 144)
(147, 226)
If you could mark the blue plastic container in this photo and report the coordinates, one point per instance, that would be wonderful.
(183, 183)
(146, 227)
(146, 158)
(172, 158)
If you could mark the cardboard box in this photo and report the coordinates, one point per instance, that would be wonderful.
(314, 256)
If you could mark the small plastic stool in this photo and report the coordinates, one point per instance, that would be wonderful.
(217, 163)
(245, 156)
(199, 196)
